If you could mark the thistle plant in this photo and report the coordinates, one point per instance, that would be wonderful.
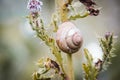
(68, 40)
(91, 69)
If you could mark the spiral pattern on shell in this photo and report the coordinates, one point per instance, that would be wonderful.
(68, 38)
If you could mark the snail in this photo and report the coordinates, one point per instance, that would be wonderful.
(69, 38)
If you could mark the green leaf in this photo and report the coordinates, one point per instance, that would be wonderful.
(90, 71)
(88, 57)
(77, 16)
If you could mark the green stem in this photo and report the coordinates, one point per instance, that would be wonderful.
(77, 16)
(64, 17)
(49, 41)
(70, 67)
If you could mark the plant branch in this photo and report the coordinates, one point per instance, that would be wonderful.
(70, 67)
(49, 41)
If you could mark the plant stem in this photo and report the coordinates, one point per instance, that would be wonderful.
(63, 10)
(70, 67)
(62, 6)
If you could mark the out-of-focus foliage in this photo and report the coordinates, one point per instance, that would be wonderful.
(91, 69)
(19, 49)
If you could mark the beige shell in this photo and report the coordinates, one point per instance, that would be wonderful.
(68, 38)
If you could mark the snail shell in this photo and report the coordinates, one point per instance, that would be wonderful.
(68, 38)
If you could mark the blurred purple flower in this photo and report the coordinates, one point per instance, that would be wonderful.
(34, 6)
(98, 64)
(88, 3)
(93, 12)
(90, 7)
(107, 35)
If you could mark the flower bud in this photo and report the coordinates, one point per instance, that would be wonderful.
(34, 6)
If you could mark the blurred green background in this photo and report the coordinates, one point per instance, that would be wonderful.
(20, 49)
